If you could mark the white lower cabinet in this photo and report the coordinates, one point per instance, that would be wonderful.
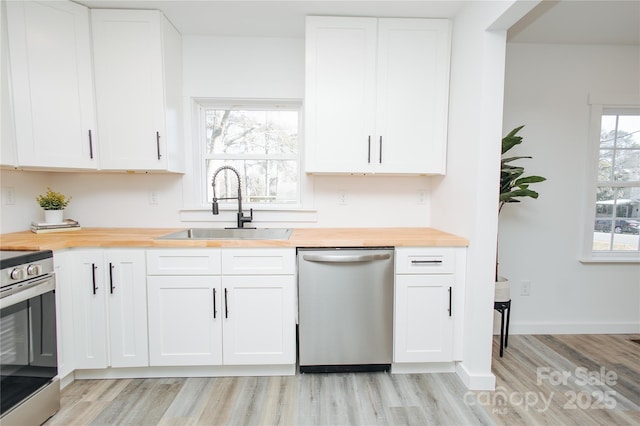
(259, 320)
(423, 324)
(425, 305)
(109, 308)
(201, 313)
(63, 262)
(185, 325)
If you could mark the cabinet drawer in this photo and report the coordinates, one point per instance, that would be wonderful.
(258, 261)
(436, 260)
(183, 262)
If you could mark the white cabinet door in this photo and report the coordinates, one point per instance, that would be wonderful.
(137, 60)
(52, 84)
(259, 320)
(63, 262)
(376, 92)
(185, 320)
(8, 155)
(339, 94)
(423, 322)
(89, 309)
(413, 96)
(109, 308)
(127, 306)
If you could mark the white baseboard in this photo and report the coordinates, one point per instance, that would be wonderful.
(419, 368)
(571, 328)
(187, 371)
(475, 381)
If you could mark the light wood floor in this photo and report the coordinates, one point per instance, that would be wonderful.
(557, 380)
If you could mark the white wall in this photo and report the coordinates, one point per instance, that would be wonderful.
(464, 202)
(546, 89)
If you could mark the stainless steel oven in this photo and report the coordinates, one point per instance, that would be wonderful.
(29, 387)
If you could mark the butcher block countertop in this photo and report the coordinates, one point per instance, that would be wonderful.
(301, 237)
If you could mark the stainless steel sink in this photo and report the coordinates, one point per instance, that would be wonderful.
(229, 234)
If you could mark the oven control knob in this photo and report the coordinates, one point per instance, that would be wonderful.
(34, 270)
(17, 274)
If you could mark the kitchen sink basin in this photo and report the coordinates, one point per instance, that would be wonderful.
(229, 234)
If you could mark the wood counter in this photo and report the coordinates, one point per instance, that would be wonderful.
(301, 237)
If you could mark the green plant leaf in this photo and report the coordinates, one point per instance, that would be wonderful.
(511, 139)
(529, 179)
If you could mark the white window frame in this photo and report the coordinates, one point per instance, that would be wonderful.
(588, 255)
(198, 208)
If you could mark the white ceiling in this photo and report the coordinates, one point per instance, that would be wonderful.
(552, 21)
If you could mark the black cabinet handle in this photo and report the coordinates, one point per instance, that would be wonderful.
(426, 262)
(111, 277)
(226, 303)
(449, 301)
(215, 311)
(380, 152)
(93, 275)
(369, 150)
(158, 144)
(90, 145)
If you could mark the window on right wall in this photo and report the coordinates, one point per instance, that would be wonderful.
(616, 219)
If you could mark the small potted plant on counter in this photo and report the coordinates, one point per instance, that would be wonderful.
(53, 203)
(513, 185)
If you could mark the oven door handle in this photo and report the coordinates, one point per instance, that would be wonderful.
(29, 289)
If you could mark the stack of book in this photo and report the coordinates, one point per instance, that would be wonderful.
(67, 225)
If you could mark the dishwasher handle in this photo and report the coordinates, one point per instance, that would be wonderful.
(345, 258)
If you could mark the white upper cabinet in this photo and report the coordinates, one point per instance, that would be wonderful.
(52, 85)
(138, 63)
(8, 156)
(376, 96)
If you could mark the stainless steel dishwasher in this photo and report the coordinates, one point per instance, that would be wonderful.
(345, 309)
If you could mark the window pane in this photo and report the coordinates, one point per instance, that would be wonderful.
(251, 132)
(267, 181)
(617, 220)
(627, 165)
(608, 131)
(605, 165)
(628, 131)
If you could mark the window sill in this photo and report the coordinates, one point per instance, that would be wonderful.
(611, 257)
(259, 216)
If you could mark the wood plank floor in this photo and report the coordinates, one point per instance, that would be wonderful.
(557, 380)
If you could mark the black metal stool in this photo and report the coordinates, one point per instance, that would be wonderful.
(504, 333)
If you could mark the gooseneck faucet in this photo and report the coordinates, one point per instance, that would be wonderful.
(242, 219)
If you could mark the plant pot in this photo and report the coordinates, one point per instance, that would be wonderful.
(54, 216)
(502, 290)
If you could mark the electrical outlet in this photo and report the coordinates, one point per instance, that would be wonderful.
(153, 197)
(421, 196)
(525, 288)
(9, 195)
(342, 198)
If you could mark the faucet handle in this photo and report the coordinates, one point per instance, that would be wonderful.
(242, 219)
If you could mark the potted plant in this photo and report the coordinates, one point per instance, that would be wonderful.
(53, 203)
(513, 186)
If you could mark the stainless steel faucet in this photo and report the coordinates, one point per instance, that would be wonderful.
(242, 219)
